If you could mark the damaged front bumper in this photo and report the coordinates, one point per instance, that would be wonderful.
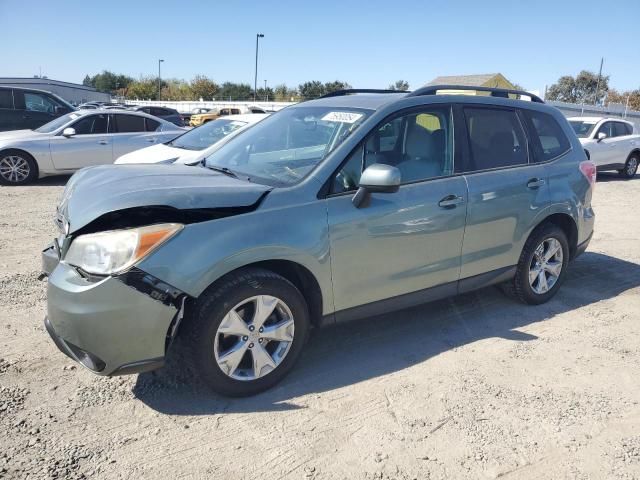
(111, 325)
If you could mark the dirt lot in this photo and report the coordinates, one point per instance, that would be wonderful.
(475, 387)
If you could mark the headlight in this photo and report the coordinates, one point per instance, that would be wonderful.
(106, 253)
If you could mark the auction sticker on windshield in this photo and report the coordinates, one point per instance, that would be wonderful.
(344, 117)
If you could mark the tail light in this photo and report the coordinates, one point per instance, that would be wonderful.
(588, 169)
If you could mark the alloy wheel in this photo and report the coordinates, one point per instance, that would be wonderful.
(632, 166)
(254, 337)
(545, 266)
(14, 168)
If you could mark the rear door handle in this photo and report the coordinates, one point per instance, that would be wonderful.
(535, 183)
(451, 201)
(152, 140)
(103, 142)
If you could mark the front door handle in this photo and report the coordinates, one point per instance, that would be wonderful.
(151, 140)
(535, 183)
(451, 201)
(103, 142)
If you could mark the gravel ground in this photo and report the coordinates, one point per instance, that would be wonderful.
(473, 387)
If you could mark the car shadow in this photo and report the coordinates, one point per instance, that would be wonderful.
(346, 354)
(57, 180)
(605, 177)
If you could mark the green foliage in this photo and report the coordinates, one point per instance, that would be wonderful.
(144, 89)
(621, 98)
(107, 81)
(581, 89)
(282, 93)
(203, 87)
(315, 88)
(235, 91)
(401, 85)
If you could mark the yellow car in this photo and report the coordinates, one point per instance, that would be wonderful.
(198, 119)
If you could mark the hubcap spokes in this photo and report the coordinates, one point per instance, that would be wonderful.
(546, 266)
(632, 166)
(254, 337)
(14, 168)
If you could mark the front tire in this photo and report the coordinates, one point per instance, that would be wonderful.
(17, 168)
(246, 332)
(542, 266)
(630, 166)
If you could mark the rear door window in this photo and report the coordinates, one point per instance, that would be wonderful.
(496, 138)
(6, 99)
(549, 141)
(129, 123)
(620, 129)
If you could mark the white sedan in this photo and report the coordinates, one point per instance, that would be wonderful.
(194, 145)
(610, 143)
(78, 139)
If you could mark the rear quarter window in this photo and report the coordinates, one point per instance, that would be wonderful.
(548, 138)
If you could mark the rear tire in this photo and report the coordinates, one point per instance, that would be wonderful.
(630, 166)
(224, 343)
(17, 168)
(537, 280)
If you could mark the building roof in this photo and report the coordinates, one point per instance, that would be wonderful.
(469, 80)
(42, 81)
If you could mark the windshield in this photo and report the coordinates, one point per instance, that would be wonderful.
(206, 135)
(283, 148)
(582, 128)
(53, 125)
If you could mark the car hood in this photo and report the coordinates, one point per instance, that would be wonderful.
(160, 153)
(20, 134)
(95, 191)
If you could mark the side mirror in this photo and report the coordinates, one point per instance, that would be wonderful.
(601, 136)
(61, 110)
(378, 178)
(68, 132)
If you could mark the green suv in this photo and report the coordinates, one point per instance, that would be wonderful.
(352, 205)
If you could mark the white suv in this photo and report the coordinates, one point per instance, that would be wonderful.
(611, 143)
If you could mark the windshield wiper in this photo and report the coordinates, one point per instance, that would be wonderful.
(226, 171)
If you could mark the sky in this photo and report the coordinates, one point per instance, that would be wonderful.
(368, 44)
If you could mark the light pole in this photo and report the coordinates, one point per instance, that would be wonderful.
(266, 97)
(159, 81)
(255, 79)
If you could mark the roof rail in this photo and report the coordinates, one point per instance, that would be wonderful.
(495, 92)
(351, 91)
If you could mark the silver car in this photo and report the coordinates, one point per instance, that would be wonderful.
(79, 139)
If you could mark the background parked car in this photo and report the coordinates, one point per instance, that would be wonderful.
(28, 108)
(168, 114)
(76, 140)
(191, 147)
(611, 143)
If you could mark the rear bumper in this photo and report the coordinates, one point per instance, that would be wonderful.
(106, 326)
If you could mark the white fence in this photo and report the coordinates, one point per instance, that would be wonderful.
(187, 107)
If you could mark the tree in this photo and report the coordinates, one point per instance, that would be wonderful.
(621, 98)
(235, 91)
(335, 86)
(313, 89)
(177, 90)
(144, 89)
(87, 81)
(203, 87)
(107, 81)
(581, 89)
(282, 93)
(265, 94)
(401, 85)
